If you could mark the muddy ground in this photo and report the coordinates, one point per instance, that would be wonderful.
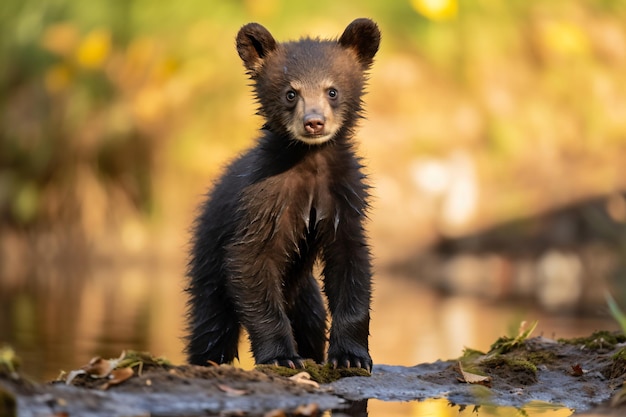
(584, 374)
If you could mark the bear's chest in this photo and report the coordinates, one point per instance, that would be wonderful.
(306, 190)
(294, 201)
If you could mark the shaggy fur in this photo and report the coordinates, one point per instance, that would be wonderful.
(298, 196)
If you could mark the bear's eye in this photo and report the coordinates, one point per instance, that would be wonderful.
(332, 93)
(291, 95)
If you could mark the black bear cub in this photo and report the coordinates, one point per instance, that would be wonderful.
(296, 197)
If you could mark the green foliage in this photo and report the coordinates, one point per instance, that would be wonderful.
(616, 312)
(322, 374)
(506, 344)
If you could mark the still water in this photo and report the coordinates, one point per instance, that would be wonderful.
(442, 408)
(59, 318)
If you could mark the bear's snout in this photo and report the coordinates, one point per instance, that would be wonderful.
(314, 124)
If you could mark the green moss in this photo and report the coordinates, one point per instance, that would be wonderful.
(541, 357)
(319, 373)
(510, 359)
(617, 368)
(512, 363)
(620, 355)
(143, 360)
(502, 344)
(506, 344)
(515, 370)
(603, 339)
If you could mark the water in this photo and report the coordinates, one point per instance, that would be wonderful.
(59, 318)
(442, 408)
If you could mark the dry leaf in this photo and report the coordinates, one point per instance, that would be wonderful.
(304, 378)
(230, 391)
(577, 370)
(472, 378)
(98, 367)
(118, 376)
(73, 374)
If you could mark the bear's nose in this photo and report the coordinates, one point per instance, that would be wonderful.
(314, 124)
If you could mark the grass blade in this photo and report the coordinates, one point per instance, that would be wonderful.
(616, 312)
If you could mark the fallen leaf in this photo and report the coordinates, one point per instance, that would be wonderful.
(73, 374)
(230, 391)
(304, 378)
(98, 367)
(117, 376)
(472, 378)
(577, 370)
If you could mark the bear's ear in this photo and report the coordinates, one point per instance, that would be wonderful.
(254, 42)
(363, 36)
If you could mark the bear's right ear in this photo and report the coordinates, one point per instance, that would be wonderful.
(254, 42)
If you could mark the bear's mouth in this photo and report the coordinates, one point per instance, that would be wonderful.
(314, 139)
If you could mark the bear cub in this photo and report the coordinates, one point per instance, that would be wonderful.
(297, 197)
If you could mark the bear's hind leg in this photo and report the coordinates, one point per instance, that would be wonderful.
(213, 330)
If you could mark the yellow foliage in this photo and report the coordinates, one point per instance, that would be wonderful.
(60, 38)
(57, 78)
(165, 69)
(436, 9)
(149, 104)
(94, 49)
(564, 39)
(26, 202)
(141, 52)
(262, 9)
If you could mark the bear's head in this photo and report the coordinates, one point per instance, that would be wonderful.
(310, 90)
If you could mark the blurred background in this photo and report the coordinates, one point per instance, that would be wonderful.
(495, 140)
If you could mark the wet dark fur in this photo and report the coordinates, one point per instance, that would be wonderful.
(277, 209)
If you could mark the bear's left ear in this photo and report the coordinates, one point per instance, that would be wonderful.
(363, 36)
(254, 42)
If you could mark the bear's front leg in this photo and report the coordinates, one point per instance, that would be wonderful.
(347, 283)
(256, 286)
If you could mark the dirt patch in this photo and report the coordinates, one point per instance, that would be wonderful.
(579, 374)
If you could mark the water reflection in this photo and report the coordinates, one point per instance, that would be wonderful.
(60, 318)
(443, 408)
